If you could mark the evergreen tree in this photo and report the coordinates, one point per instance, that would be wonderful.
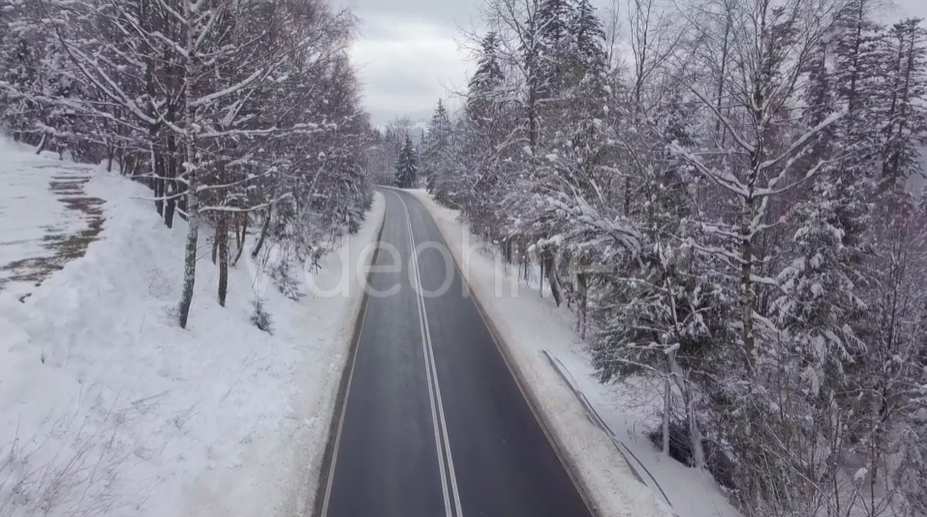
(819, 99)
(588, 40)
(492, 120)
(406, 165)
(554, 46)
(857, 78)
(484, 86)
(589, 81)
(902, 107)
(821, 303)
(436, 148)
(856, 37)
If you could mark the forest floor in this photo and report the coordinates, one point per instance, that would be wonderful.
(107, 406)
(603, 427)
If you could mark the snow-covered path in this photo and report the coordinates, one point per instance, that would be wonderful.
(46, 218)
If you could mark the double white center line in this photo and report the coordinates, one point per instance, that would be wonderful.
(445, 458)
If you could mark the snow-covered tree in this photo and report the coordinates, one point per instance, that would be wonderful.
(436, 149)
(724, 201)
(903, 111)
(406, 165)
(233, 112)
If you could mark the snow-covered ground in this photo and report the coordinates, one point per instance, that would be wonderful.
(601, 433)
(45, 216)
(107, 407)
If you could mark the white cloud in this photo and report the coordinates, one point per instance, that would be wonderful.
(407, 63)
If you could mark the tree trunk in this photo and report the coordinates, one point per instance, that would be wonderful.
(157, 170)
(719, 127)
(222, 238)
(41, 146)
(214, 255)
(695, 438)
(191, 72)
(526, 261)
(264, 229)
(748, 216)
(170, 171)
(169, 210)
(550, 268)
(189, 270)
(581, 290)
(159, 196)
(746, 285)
(133, 171)
(241, 235)
(541, 279)
(695, 433)
(110, 155)
(667, 408)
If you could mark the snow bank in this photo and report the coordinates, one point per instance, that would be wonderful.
(32, 214)
(529, 325)
(627, 411)
(108, 407)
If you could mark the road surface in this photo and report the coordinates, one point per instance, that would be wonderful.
(434, 423)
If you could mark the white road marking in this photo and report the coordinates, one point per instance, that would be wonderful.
(434, 387)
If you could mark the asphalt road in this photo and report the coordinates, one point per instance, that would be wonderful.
(434, 423)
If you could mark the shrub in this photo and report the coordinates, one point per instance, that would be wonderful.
(260, 317)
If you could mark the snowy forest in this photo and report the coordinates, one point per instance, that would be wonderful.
(238, 115)
(722, 192)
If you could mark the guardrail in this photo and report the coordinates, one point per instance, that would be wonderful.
(637, 467)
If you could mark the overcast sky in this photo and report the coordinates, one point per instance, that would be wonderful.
(408, 54)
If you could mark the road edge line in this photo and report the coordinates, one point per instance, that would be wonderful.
(532, 398)
(344, 383)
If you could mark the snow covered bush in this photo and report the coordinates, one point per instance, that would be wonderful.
(260, 317)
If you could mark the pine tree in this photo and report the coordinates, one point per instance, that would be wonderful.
(484, 86)
(436, 148)
(492, 124)
(819, 99)
(554, 46)
(588, 79)
(856, 37)
(903, 108)
(821, 303)
(857, 78)
(588, 40)
(406, 165)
